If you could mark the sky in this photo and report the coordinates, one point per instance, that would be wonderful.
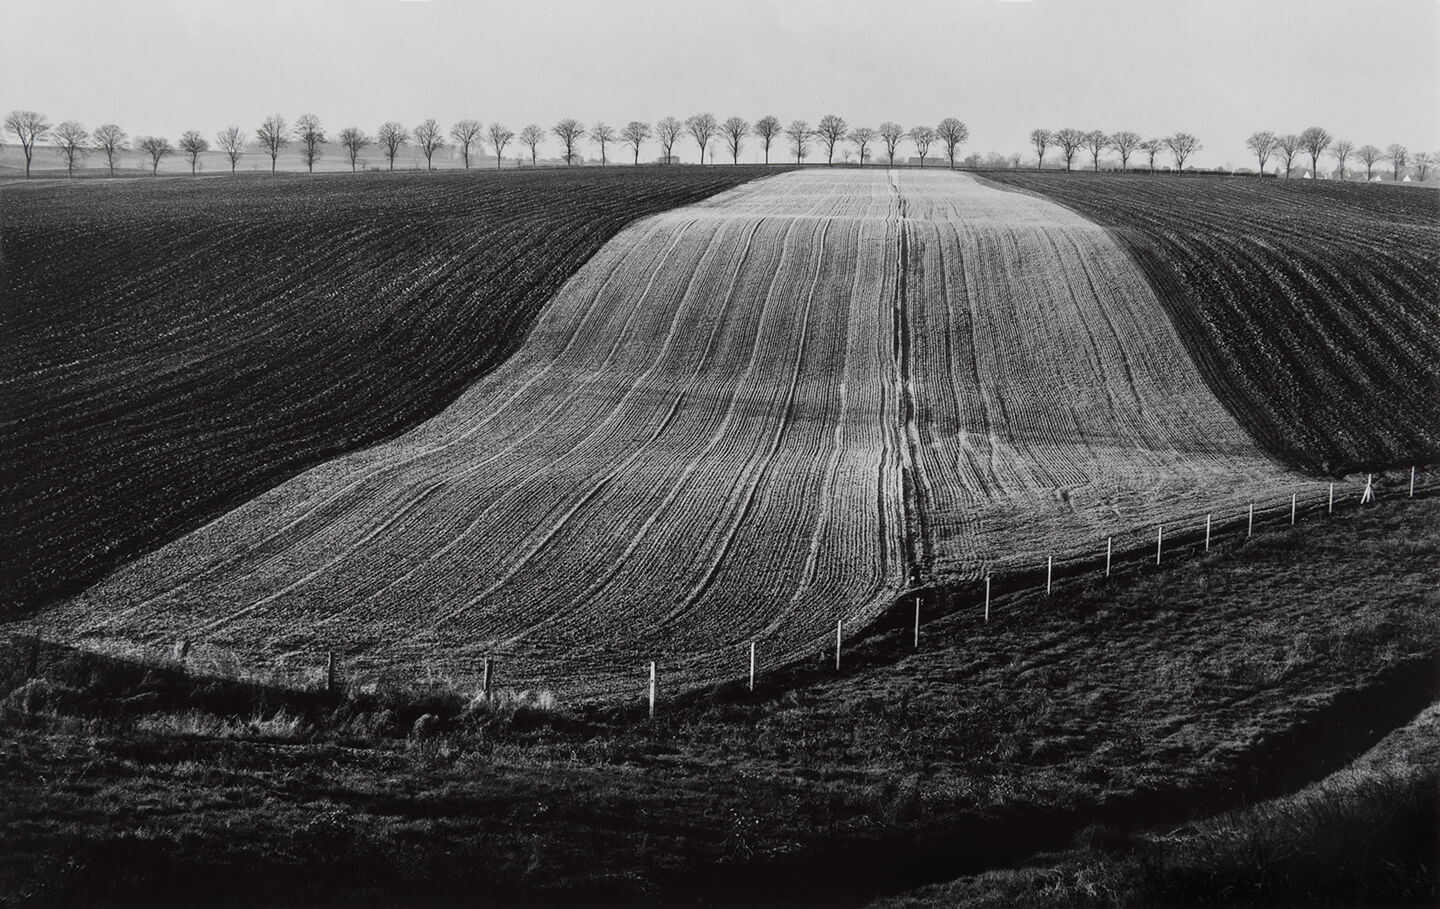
(1220, 69)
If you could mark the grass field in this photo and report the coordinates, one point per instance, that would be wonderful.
(1309, 306)
(171, 349)
(1155, 701)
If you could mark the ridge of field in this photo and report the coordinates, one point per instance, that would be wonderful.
(745, 419)
(1311, 307)
(172, 348)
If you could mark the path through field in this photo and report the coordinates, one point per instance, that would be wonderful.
(744, 419)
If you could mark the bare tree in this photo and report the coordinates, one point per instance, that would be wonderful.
(1341, 152)
(193, 145)
(862, 136)
(668, 132)
(734, 131)
(1315, 140)
(499, 138)
(70, 138)
(466, 133)
(312, 136)
(156, 147)
(831, 131)
(29, 127)
(922, 137)
(1182, 146)
(799, 134)
(702, 128)
(354, 140)
(392, 137)
(1125, 143)
(1096, 141)
(1398, 156)
(430, 138)
(273, 135)
(766, 129)
(1152, 147)
(1041, 139)
(634, 135)
(569, 131)
(231, 141)
(532, 136)
(1422, 163)
(891, 133)
(602, 134)
(1370, 156)
(953, 134)
(1263, 145)
(1288, 147)
(1070, 141)
(110, 139)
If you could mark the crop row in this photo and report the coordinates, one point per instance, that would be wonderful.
(1310, 307)
(171, 350)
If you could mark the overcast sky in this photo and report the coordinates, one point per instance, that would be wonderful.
(1368, 71)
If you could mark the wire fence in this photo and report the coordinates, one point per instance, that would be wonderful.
(984, 595)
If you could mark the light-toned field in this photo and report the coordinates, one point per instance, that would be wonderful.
(744, 419)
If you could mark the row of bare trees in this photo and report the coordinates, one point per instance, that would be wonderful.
(1317, 141)
(308, 134)
(1071, 142)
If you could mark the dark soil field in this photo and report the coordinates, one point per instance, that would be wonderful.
(1108, 714)
(1311, 307)
(172, 348)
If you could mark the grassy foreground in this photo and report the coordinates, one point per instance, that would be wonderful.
(1166, 697)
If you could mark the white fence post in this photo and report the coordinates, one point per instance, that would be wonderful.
(1330, 508)
(1049, 572)
(1207, 532)
(1159, 541)
(917, 621)
(838, 624)
(653, 687)
(1250, 528)
(1412, 482)
(752, 665)
(1108, 548)
(987, 597)
(1293, 497)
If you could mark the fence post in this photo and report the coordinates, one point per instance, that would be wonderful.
(752, 665)
(1292, 508)
(330, 672)
(1207, 532)
(1109, 541)
(653, 687)
(838, 624)
(1250, 528)
(485, 679)
(1330, 508)
(1159, 541)
(917, 621)
(1412, 481)
(987, 597)
(1049, 572)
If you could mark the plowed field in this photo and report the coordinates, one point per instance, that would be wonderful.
(743, 419)
(1311, 307)
(170, 349)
